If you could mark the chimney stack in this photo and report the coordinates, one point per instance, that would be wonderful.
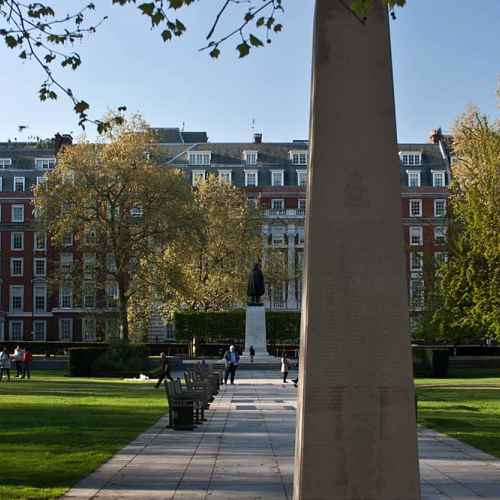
(436, 136)
(257, 138)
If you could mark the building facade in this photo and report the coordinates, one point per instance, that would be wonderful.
(274, 175)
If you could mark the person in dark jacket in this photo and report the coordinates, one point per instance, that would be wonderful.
(164, 370)
(252, 353)
(231, 361)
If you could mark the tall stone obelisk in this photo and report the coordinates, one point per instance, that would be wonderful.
(356, 431)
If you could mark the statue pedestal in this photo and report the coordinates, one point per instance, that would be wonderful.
(255, 335)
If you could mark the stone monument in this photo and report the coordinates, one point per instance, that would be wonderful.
(356, 430)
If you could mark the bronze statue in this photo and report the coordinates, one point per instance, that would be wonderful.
(256, 287)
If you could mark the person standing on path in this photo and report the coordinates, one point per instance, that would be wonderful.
(284, 367)
(231, 360)
(4, 364)
(252, 353)
(27, 360)
(18, 360)
(164, 370)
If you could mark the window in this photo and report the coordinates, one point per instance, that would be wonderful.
(40, 298)
(88, 295)
(66, 329)
(250, 157)
(66, 297)
(438, 178)
(415, 208)
(112, 294)
(301, 204)
(278, 236)
(16, 330)
(40, 241)
(411, 158)
(301, 239)
(277, 204)
(67, 240)
(89, 264)
(440, 235)
(39, 267)
(439, 208)
(39, 330)
(19, 184)
(416, 292)
(413, 178)
(90, 237)
(45, 163)
(440, 258)
(253, 202)
(41, 179)
(5, 162)
(16, 266)
(199, 157)
(136, 212)
(251, 179)
(225, 176)
(17, 213)
(416, 235)
(16, 298)
(198, 176)
(66, 261)
(110, 263)
(1, 183)
(112, 328)
(17, 241)
(416, 261)
(88, 329)
(302, 178)
(298, 157)
(277, 177)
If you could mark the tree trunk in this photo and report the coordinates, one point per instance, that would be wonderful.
(124, 315)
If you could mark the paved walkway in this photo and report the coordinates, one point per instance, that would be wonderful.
(245, 452)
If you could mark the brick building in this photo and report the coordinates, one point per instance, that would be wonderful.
(273, 174)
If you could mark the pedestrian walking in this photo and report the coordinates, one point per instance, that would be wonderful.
(164, 370)
(285, 365)
(18, 360)
(4, 364)
(231, 361)
(27, 360)
(252, 353)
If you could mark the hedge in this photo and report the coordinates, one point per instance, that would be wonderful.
(230, 326)
(81, 360)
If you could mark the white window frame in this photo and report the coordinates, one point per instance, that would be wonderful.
(41, 179)
(251, 157)
(20, 294)
(299, 157)
(281, 179)
(67, 240)
(70, 323)
(136, 212)
(86, 321)
(438, 178)
(5, 163)
(436, 205)
(440, 239)
(199, 158)
(37, 260)
(197, 176)
(440, 258)
(251, 172)
(281, 203)
(20, 180)
(11, 329)
(66, 262)
(44, 329)
(39, 291)
(411, 158)
(422, 292)
(416, 262)
(302, 178)
(112, 295)
(13, 239)
(45, 163)
(414, 175)
(89, 264)
(12, 211)
(35, 241)
(89, 291)
(226, 173)
(65, 292)
(278, 237)
(419, 201)
(14, 260)
(417, 231)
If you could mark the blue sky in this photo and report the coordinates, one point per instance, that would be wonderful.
(445, 56)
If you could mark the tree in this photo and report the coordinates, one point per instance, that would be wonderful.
(38, 32)
(120, 207)
(464, 302)
(213, 263)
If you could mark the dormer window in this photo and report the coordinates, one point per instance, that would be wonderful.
(411, 158)
(438, 178)
(299, 157)
(250, 157)
(225, 176)
(45, 163)
(413, 178)
(5, 162)
(199, 157)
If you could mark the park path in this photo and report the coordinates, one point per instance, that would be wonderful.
(245, 452)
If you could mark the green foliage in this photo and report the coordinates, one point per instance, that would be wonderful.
(121, 359)
(283, 326)
(81, 360)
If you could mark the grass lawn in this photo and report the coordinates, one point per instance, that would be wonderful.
(54, 429)
(465, 406)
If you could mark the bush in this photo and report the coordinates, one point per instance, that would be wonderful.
(81, 360)
(430, 362)
(283, 326)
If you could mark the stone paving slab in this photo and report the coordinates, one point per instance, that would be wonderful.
(245, 451)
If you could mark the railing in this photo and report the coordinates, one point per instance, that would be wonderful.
(286, 213)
